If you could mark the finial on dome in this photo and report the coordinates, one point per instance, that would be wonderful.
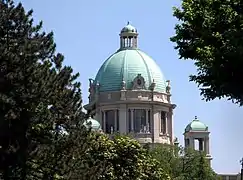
(195, 117)
(128, 22)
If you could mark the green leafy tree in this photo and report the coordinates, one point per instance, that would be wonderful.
(186, 164)
(165, 154)
(124, 158)
(210, 33)
(38, 95)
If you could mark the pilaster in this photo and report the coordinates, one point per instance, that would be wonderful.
(156, 125)
(147, 120)
(104, 121)
(191, 142)
(115, 119)
(132, 119)
(170, 125)
(123, 119)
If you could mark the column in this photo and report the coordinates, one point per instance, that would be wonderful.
(136, 41)
(191, 142)
(132, 119)
(104, 121)
(123, 119)
(187, 142)
(170, 126)
(100, 117)
(206, 145)
(160, 122)
(115, 119)
(156, 125)
(166, 123)
(147, 121)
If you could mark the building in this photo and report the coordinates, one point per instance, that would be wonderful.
(131, 95)
(229, 176)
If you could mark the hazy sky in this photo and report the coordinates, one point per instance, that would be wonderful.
(86, 32)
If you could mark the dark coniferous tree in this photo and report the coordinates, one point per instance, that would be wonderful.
(37, 95)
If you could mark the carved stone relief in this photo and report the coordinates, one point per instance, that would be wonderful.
(138, 82)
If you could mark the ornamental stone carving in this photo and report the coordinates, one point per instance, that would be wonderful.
(91, 89)
(168, 88)
(138, 82)
(123, 85)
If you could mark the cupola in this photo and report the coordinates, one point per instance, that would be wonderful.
(128, 37)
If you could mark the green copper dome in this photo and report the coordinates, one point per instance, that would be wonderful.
(196, 125)
(125, 65)
(93, 124)
(129, 28)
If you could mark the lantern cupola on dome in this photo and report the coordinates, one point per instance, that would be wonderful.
(128, 37)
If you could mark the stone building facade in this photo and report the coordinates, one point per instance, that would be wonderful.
(130, 95)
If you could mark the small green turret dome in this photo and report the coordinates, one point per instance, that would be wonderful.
(93, 124)
(129, 28)
(196, 125)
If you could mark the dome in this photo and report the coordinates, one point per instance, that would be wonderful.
(125, 65)
(94, 124)
(196, 125)
(129, 28)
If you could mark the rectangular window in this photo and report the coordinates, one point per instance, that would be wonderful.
(110, 121)
(139, 120)
(163, 122)
(149, 122)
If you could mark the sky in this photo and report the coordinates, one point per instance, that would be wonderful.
(87, 33)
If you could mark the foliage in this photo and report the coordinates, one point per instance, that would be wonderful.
(124, 158)
(37, 95)
(211, 34)
(184, 165)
